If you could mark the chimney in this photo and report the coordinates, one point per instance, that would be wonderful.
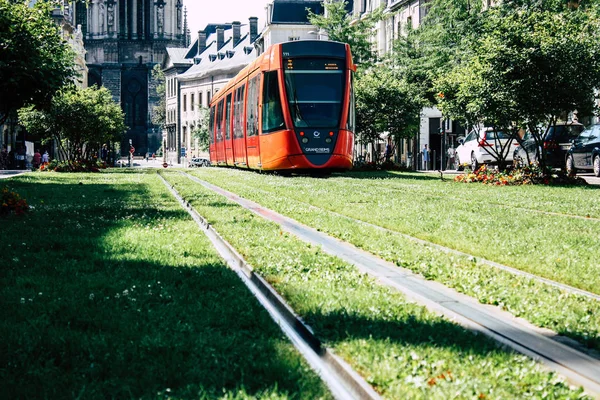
(253, 28)
(201, 42)
(236, 32)
(220, 38)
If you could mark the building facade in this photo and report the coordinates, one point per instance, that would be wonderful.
(124, 40)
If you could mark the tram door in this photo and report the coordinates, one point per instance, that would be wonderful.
(252, 112)
(228, 135)
(239, 140)
(220, 134)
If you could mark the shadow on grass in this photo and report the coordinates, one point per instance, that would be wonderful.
(391, 175)
(90, 316)
(337, 327)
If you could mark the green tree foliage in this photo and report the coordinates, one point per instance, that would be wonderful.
(80, 121)
(529, 66)
(34, 60)
(202, 132)
(385, 103)
(159, 113)
(342, 27)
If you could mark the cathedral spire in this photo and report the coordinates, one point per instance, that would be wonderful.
(186, 30)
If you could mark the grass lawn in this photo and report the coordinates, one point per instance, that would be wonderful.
(109, 290)
(403, 350)
(382, 202)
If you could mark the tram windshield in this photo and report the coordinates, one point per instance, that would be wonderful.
(315, 89)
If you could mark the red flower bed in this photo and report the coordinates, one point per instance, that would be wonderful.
(12, 202)
(531, 175)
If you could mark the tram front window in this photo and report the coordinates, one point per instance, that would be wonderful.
(315, 89)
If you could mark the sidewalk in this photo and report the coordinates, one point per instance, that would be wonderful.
(7, 173)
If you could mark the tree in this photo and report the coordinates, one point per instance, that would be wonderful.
(202, 132)
(530, 66)
(159, 113)
(385, 103)
(79, 120)
(34, 60)
(342, 27)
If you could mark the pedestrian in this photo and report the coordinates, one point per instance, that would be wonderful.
(388, 151)
(11, 159)
(37, 159)
(425, 153)
(104, 153)
(4, 158)
(21, 157)
(451, 158)
(45, 157)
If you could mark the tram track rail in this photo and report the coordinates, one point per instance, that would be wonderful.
(503, 205)
(341, 379)
(564, 287)
(578, 367)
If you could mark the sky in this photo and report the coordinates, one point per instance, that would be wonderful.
(202, 12)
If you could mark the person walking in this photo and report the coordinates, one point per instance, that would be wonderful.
(45, 157)
(37, 159)
(451, 158)
(4, 158)
(425, 153)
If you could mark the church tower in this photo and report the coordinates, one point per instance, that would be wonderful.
(124, 40)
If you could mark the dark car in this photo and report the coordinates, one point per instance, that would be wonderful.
(556, 142)
(200, 162)
(585, 151)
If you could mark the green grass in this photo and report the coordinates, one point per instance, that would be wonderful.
(109, 290)
(574, 316)
(403, 350)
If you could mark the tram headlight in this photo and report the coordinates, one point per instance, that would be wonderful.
(328, 140)
(304, 140)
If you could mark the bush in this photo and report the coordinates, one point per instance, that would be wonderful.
(529, 175)
(12, 202)
(74, 166)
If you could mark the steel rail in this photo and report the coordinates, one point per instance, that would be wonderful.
(343, 382)
(448, 250)
(579, 368)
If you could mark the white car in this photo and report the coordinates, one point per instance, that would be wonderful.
(484, 147)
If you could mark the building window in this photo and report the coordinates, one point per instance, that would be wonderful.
(200, 99)
(208, 97)
(184, 139)
(184, 103)
(192, 102)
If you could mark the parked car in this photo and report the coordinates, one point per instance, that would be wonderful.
(556, 142)
(200, 162)
(585, 152)
(481, 147)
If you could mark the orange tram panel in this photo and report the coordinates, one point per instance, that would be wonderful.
(290, 109)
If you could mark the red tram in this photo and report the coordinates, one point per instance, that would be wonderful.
(291, 109)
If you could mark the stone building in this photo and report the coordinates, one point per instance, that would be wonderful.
(124, 40)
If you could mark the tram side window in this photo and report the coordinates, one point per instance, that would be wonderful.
(272, 117)
(238, 130)
(351, 125)
(253, 98)
(211, 126)
(228, 118)
(220, 121)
